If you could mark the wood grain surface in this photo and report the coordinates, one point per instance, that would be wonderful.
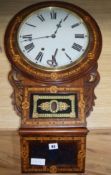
(98, 159)
(101, 11)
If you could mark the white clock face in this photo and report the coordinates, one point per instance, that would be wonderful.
(53, 38)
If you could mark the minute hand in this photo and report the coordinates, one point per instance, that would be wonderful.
(30, 39)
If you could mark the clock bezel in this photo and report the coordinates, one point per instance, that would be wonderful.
(77, 70)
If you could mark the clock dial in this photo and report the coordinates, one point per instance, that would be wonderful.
(53, 38)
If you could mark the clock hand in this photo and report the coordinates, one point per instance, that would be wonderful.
(53, 62)
(54, 58)
(55, 53)
(30, 39)
(58, 26)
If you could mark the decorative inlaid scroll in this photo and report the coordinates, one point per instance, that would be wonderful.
(53, 106)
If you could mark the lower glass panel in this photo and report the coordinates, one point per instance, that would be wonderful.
(59, 154)
(53, 154)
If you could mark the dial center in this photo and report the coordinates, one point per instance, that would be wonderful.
(53, 36)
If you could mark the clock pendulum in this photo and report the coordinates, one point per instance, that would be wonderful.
(53, 48)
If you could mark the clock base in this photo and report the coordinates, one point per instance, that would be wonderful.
(53, 150)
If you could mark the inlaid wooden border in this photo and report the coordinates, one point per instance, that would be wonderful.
(81, 152)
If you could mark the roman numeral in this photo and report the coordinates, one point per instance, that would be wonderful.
(39, 56)
(68, 57)
(76, 25)
(41, 18)
(79, 36)
(27, 37)
(77, 47)
(29, 47)
(53, 15)
(30, 25)
(66, 17)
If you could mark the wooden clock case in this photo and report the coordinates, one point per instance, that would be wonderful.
(74, 86)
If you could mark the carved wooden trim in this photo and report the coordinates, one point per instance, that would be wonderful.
(91, 80)
(17, 95)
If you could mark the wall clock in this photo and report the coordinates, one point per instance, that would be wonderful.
(53, 48)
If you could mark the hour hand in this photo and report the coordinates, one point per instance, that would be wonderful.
(58, 26)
